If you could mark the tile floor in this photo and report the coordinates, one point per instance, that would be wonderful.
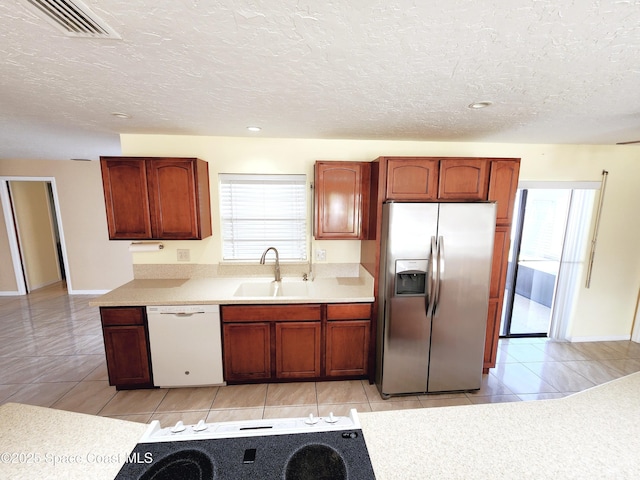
(51, 354)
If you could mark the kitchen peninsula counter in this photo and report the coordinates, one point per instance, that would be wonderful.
(592, 434)
(221, 290)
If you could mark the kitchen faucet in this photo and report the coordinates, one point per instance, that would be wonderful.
(277, 261)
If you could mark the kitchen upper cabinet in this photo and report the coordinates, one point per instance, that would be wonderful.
(156, 198)
(412, 179)
(341, 200)
(126, 343)
(503, 183)
(463, 179)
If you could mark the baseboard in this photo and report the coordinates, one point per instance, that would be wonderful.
(9, 294)
(606, 338)
(88, 292)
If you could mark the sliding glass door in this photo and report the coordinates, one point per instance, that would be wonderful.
(537, 240)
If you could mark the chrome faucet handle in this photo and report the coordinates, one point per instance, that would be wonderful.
(304, 277)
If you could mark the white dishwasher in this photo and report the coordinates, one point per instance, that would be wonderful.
(185, 344)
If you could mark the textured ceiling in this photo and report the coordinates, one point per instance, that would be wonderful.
(557, 71)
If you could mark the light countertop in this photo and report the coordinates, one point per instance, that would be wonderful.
(221, 290)
(593, 434)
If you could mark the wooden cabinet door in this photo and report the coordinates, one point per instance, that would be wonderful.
(173, 199)
(247, 351)
(499, 263)
(412, 179)
(347, 348)
(341, 200)
(492, 334)
(463, 179)
(297, 349)
(503, 183)
(126, 198)
(127, 355)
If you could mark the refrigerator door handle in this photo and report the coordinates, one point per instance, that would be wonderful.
(439, 271)
(429, 293)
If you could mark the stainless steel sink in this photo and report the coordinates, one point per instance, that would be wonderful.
(273, 289)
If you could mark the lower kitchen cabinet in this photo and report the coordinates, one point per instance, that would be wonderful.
(347, 339)
(126, 343)
(347, 348)
(295, 342)
(297, 349)
(247, 351)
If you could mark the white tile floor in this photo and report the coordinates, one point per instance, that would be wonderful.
(51, 354)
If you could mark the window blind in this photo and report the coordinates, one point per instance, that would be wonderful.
(261, 211)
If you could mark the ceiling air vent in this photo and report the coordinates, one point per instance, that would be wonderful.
(72, 17)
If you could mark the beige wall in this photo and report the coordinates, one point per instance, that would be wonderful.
(604, 311)
(7, 275)
(95, 263)
(34, 225)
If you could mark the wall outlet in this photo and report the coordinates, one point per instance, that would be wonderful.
(321, 255)
(184, 254)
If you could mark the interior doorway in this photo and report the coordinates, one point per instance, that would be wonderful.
(36, 240)
(548, 240)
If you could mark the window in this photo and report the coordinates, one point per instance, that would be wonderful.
(261, 211)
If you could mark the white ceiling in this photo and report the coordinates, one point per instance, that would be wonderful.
(557, 71)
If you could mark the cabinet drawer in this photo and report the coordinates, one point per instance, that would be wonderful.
(349, 311)
(122, 316)
(265, 313)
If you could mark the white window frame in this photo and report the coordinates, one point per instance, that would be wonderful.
(258, 211)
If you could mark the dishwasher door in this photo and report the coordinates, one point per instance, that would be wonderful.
(185, 344)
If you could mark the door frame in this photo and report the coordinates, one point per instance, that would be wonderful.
(12, 232)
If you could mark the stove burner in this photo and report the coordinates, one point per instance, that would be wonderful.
(183, 464)
(316, 462)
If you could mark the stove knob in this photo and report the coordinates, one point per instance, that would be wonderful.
(311, 420)
(200, 426)
(179, 427)
(331, 418)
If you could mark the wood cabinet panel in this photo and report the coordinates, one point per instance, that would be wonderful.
(296, 342)
(412, 179)
(503, 183)
(173, 198)
(156, 198)
(349, 311)
(126, 198)
(463, 179)
(247, 351)
(347, 347)
(500, 261)
(127, 355)
(341, 200)
(252, 313)
(492, 334)
(122, 316)
(126, 346)
(297, 349)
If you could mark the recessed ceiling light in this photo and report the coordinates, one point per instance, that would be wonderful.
(121, 115)
(479, 105)
(254, 129)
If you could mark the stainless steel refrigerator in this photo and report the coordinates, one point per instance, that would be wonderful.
(435, 269)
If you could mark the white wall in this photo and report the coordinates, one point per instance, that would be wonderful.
(605, 310)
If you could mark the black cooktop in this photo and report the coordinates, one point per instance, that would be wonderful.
(332, 455)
